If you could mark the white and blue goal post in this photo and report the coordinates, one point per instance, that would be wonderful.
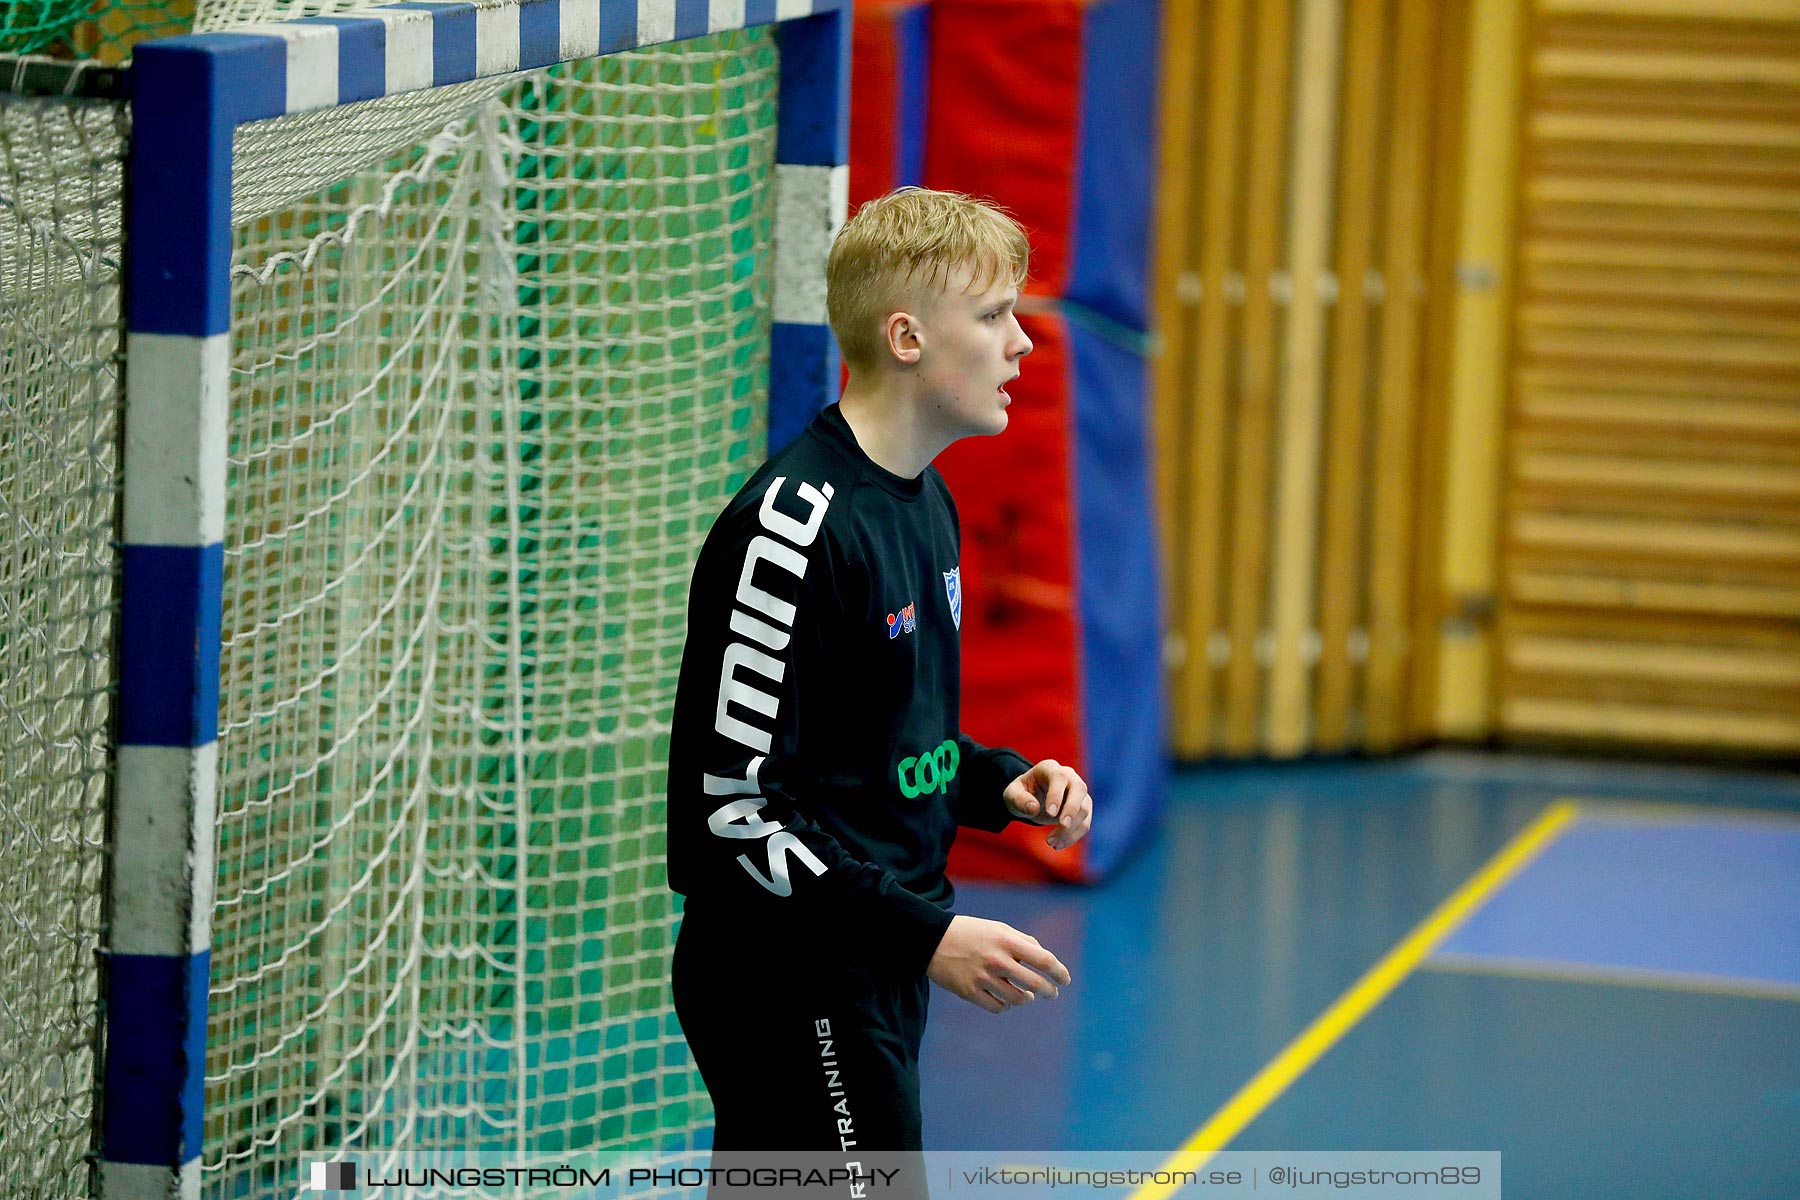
(188, 96)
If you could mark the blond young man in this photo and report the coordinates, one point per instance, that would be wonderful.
(817, 770)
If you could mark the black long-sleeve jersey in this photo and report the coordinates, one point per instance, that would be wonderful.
(817, 769)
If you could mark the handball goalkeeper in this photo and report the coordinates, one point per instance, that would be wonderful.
(817, 769)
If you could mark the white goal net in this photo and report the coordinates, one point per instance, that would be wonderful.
(499, 353)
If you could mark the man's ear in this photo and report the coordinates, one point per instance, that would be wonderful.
(905, 337)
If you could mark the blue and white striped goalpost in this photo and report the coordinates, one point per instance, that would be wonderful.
(188, 96)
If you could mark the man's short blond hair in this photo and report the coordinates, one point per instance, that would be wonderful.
(910, 240)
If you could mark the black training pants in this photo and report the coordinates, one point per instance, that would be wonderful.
(800, 1051)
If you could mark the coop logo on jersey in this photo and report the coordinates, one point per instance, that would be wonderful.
(334, 1176)
(906, 619)
(953, 585)
(930, 772)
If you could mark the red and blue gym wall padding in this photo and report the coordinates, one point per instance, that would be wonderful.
(1047, 107)
(890, 63)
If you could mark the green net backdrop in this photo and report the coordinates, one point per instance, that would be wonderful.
(498, 357)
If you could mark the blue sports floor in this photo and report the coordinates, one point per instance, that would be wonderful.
(1611, 998)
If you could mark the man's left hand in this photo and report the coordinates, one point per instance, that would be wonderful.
(1052, 794)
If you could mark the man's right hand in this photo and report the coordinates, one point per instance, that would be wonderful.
(991, 964)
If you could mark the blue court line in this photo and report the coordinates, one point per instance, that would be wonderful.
(1610, 976)
(1652, 897)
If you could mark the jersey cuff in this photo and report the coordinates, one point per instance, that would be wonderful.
(921, 926)
(983, 801)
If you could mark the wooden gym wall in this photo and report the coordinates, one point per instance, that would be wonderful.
(1310, 167)
(1478, 400)
(1650, 561)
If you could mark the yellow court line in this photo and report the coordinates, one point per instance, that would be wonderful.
(1363, 995)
